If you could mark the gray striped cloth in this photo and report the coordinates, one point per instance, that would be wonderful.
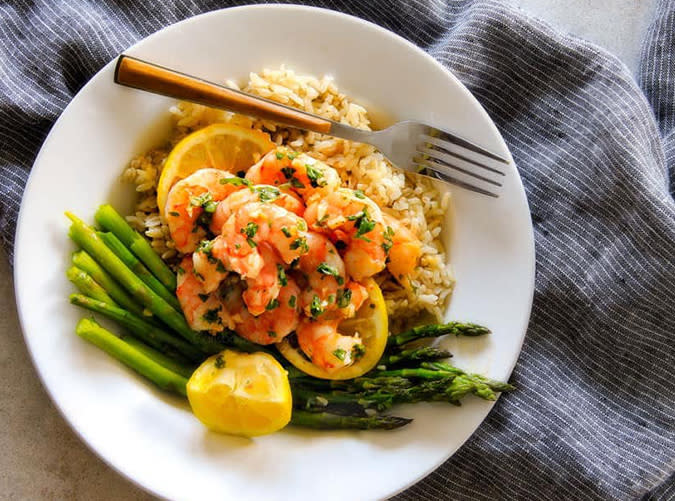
(594, 414)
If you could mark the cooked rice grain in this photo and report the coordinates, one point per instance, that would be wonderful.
(416, 202)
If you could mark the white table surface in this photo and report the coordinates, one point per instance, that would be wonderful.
(43, 459)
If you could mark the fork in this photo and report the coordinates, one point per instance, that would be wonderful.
(409, 145)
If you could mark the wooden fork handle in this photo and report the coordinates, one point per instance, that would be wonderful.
(142, 75)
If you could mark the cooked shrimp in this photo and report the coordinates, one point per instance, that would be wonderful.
(350, 299)
(263, 284)
(325, 273)
(304, 174)
(353, 219)
(262, 291)
(253, 224)
(262, 193)
(208, 270)
(203, 311)
(189, 198)
(325, 346)
(276, 323)
(405, 249)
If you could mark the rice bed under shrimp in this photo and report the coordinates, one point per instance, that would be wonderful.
(414, 201)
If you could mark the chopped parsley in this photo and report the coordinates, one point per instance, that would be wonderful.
(220, 362)
(283, 280)
(288, 172)
(296, 183)
(387, 234)
(267, 193)
(211, 316)
(315, 308)
(274, 303)
(344, 298)
(314, 175)
(205, 246)
(359, 194)
(340, 354)
(322, 220)
(279, 155)
(220, 267)
(249, 231)
(301, 225)
(363, 224)
(292, 301)
(300, 243)
(174, 213)
(291, 155)
(205, 200)
(271, 334)
(285, 231)
(235, 181)
(180, 270)
(358, 350)
(327, 269)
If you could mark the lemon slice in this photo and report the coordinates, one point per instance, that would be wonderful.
(220, 146)
(371, 323)
(244, 394)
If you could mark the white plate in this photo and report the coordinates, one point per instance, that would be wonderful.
(152, 438)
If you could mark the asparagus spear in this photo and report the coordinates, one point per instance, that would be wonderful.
(436, 330)
(110, 219)
(154, 336)
(326, 421)
(338, 402)
(409, 373)
(86, 263)
(494, 385)
(413, 355)
(87, 238)
(182, 367)
(87, 285)
(138, 268)
(117, 348)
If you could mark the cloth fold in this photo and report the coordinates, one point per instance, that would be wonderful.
(594, 414)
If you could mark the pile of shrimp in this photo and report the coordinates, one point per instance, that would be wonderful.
(283, 249)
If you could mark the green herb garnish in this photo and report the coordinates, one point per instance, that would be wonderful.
(283, 280)
(249, 231)
(327, 269)
(300, 243)
(211, 316)
(314, 175)
(235, 181)
(220, 362)
(267, 193)
(344, 298)
(315, 308)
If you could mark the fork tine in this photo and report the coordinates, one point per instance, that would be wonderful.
(429, 171)
(439, 163)
(443, 167)
(443, 145)
(465, 143)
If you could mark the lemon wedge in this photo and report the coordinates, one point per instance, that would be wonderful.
(244, 394)
(220, 146)
(372, 325)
